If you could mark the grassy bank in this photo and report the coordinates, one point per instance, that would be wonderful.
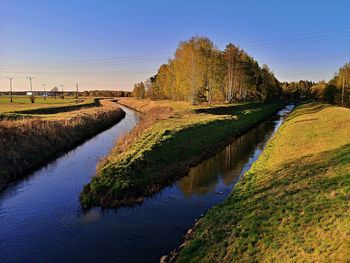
(79, 104)
(20, 110)
(169, 140)
(29, 143)
(293, 205)
(23, 103)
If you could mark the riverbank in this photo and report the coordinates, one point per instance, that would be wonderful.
(30, 143)
(292, 205)
(22, 110)
(80, 104)
(172, 138)
(23, 103)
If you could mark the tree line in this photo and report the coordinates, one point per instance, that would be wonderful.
(334, 91)
(106, 93)
(201, 72)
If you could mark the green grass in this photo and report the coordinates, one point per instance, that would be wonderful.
(23, 103)
(293, 204)
(23, 108)
(167, 149)
(38, 99)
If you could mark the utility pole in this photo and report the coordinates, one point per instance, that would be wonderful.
(62, 91)
(77, 91)
(342, 91)
(10, 78)
(44, 85)
(344, 79)
(31, 89)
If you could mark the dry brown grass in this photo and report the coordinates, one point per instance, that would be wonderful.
(153, 111)
(164, 146)
(146, 105)
(29, 143)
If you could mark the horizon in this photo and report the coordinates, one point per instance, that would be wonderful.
(111, 46)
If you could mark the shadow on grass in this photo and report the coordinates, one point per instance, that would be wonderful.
(294, 214)
(59, 109)
(231, 109)
(308, 108)
(307, 168)
(162, 161)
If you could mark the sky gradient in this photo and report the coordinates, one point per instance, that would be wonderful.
(113, 44)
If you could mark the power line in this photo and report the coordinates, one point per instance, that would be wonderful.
(288, 37)
(88, 61)
(78, 73)
(108, 64)
(57, 72)
(298, 40)
(332, 33)
(306, 37)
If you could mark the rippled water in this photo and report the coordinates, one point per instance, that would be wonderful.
(41, 219)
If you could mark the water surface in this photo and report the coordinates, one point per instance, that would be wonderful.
(41, 219)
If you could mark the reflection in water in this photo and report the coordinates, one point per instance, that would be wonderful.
(89, 216)
(226, 165)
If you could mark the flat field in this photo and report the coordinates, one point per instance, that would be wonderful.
(21, 103)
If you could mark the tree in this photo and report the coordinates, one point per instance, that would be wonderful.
(190, 67)
(166, 81)
(139, 90)
(330, 93)
(215, 76)
(341, 80)
(231, 54)
(318, 90)
(54, 91)
(269, 87)
(201, 72)
(153, 90)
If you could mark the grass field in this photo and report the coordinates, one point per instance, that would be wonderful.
(50, 108)
(21, 103)
(293, 205)
(169, 139)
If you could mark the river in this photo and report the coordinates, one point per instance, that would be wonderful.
(41, 219)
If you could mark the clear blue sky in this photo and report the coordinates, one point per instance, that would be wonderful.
(113, 44)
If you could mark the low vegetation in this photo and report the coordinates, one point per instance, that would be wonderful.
(293, 204)
(29, 143)
(79, 104)
(22, 103)
(171, 137)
